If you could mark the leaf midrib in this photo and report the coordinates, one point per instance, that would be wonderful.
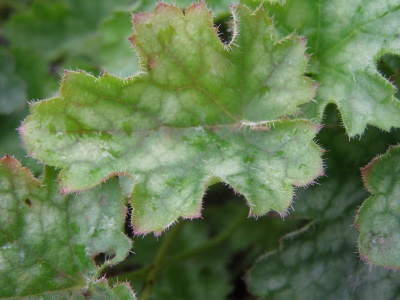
(354, 31)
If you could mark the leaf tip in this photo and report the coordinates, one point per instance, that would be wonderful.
(64, 191)
(162, 7)
(139, 18)
(303, 40)
(197, 5)
(7, 158)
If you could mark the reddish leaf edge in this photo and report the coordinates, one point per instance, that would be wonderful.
(365, 173)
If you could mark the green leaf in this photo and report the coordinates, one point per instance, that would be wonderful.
(322, 263)
(48, 241)
(36, 72)
(62, 34)
(57, 28)
(256, 3)
(346, 39)
(115, 51)
(12, 87)
(379, 217)
(217, 6)
(199, 112)
(98, 290)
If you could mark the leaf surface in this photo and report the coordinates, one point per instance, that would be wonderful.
(115, 52)
(62, 34)
(55, 28)
(197, 114)
(48, 241)
(12, 87)
(379, 217)
(346, 39)
(322, 263)
(97, 290)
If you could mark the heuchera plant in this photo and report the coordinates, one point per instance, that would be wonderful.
(246, 112)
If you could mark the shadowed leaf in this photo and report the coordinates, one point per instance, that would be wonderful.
(48, 241)
(322, 263)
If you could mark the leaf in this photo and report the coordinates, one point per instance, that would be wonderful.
(256, 3)
(12, 87)
(62, 35)
(54, 28)
(48, 241)
(192, 119)
(115, 54)
(217, 6)
(346, 38)
(321, 263)
(98, 290)
(379, 217)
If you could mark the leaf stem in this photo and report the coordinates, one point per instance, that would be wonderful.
(214, 242)
(153, 270)
(101, 268)
(184, 255)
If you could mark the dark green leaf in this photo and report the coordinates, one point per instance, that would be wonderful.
(322, 263)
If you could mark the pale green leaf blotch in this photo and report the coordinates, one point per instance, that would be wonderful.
(199, 112)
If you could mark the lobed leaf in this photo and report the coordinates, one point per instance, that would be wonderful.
(197, 114)
(48, 241)
(346, 38)
(321, 263)
(379, 217)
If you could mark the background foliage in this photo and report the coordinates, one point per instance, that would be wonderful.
(311, 253)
